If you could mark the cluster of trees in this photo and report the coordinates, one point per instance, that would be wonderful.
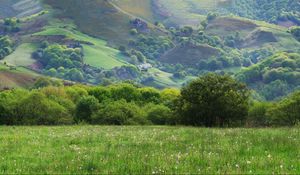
(229, 55)
(152, 47)
(11, 25)
(6, 46)
(212, 100)
(284, 112)
(267, 10)
(66, 62)
(61, 61)
(136, 57)
(119, 104)
(279, 74)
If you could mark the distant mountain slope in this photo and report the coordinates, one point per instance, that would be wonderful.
(19, 8)
(98, 18)
(140, 8)
(104, 41)
(189, 12)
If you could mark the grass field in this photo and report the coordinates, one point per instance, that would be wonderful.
(148, 150)
(21, 56)
(142, 9)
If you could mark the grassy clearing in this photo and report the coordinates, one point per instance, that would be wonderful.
(147, 150)
(142, 9)
(14, 79)
(22, 55)
(19, 78)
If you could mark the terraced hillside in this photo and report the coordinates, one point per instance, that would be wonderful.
(19, 8)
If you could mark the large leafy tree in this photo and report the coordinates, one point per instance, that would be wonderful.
(213, 100)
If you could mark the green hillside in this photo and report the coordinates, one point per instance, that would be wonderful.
(111, 39)
(16, 77)
(97, 53)
(100, 18)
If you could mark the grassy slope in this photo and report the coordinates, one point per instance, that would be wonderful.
(228, 25)
(148, 150)
(20, 78)
(21, 56)
(187, 12)
(97, 53)
(97, 18)
(139, 8)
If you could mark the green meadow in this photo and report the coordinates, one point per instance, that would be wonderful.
(97, 53)
(148, 150)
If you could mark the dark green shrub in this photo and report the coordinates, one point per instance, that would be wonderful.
(286, 112)
(119, 113)
(159, 114)
(257, 115)
(85, 109)
(36, 109)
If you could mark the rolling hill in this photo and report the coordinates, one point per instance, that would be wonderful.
(179, 40)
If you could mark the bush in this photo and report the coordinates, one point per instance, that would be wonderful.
(9, 100)
(44, 82)
(133, 32)
(286, 112)
(119, 113)
(257, 115)
(36, 109)
(85, 108)
(214, 100)
(124, 91)
(149, 95)
(159, 114)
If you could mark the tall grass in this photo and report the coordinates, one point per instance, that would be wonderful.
(148, 150)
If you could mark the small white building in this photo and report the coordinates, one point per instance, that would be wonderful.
(144, 67)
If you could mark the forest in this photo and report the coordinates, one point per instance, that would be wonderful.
(211, 101)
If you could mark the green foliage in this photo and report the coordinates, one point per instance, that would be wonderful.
(9, 100)
(119, 113)
(85, 108)
(257, 115)
(44, 82)
(270, 11)
(296, 32)
(160, 114)
(278, 73)
(5, 46)
(286, 112)
(69, 61)
(211, 100)
(36, 109)
(211, 16)
(133, 32)
(119, 104)
(152, 47)
(11, 25)
(214, 100)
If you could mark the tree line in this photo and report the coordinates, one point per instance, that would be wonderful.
(211, 100)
